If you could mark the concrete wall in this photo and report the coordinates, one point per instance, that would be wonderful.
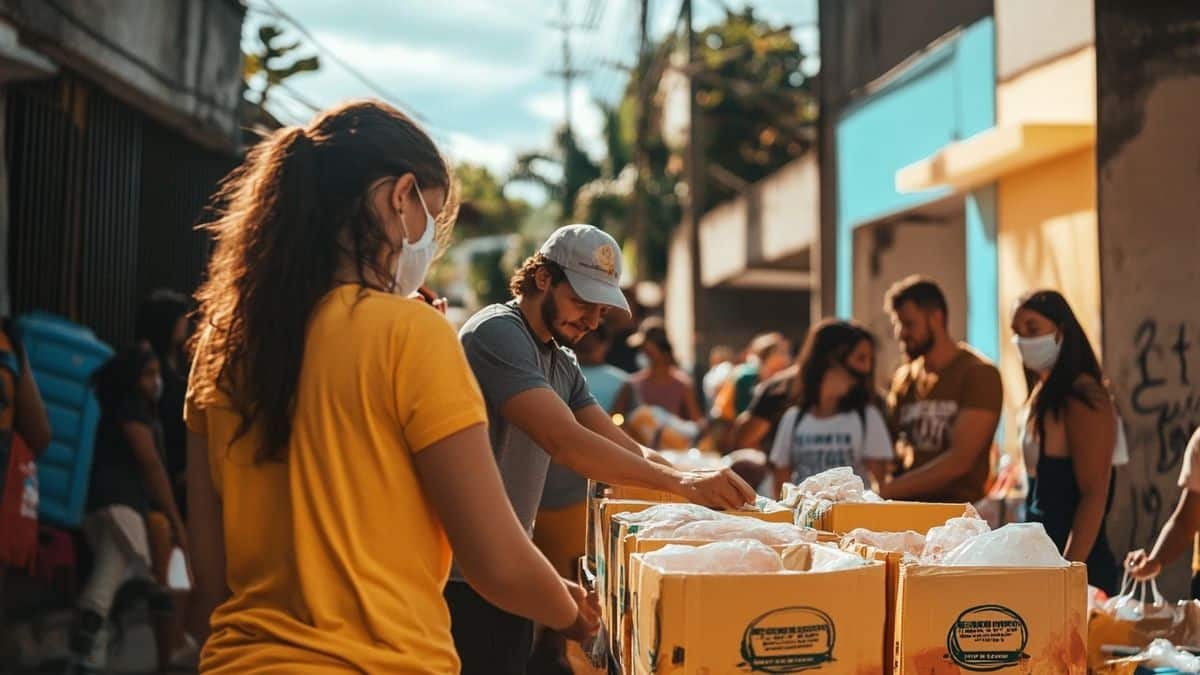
(179, 60)
(946, 94)
(1031, 32)
(1148, 159)
(737, 314)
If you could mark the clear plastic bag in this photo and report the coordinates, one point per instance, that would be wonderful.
(1131, 604)
(732, 527)
(945, 538)
(740, 556)
(1014, 545)
(1162, 654)
(828, 559)
(908, 542)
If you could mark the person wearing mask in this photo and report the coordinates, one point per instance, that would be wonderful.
(1182, 529)
(944, 403)
(1068, 432)
(660, 382)
(128, 477)
(833, 419)
(332, 418)
(162, 322)
(540, 409)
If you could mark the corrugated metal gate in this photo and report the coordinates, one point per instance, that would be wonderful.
(103, 203)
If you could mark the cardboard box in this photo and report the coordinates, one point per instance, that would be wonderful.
(1002, 620)
(623, 621)
(878, 516)
(644, 494)
(604, 510)
(891, 561)
(619, 529)
(705, 624)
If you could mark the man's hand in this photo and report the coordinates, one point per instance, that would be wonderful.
(587, 619)
(716, 488)
(1142, 566)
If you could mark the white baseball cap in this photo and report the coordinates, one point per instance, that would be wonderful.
(592, 262)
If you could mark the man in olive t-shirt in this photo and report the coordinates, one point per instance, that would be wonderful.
(944, 403)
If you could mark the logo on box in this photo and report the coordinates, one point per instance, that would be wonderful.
(788, 640)
(986, 638)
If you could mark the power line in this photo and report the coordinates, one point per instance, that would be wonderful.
(358, 75)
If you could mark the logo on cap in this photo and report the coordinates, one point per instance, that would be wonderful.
(606, 259)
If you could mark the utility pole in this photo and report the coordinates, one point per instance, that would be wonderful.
(641, 164)
(694, 208)
(568, 73)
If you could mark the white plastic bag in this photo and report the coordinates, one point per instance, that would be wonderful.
(829, 559)
(740, 556)
(1162, 654)
(676, 513)
(945, 538)
(1014, 545)
(1131, 604)
(908, 542)
(733, 527)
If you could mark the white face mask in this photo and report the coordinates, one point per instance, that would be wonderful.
(412, 264)
(158, 388)
(1038, 353)
(642, 361)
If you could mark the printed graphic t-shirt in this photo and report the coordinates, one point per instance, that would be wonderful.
(924, 405)
(808, 444)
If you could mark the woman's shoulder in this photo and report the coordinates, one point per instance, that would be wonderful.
(1090, 389)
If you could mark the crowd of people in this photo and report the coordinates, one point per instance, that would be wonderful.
(356, 487)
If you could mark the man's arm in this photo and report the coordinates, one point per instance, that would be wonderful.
(596, 420)
(972, 435)
(543, 416)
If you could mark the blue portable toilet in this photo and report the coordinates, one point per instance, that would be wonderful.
(63, 356)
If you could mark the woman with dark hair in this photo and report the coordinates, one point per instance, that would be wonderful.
(337, 448)
(127, 479)
(162, 321)
(1068, 433)
(834, 418)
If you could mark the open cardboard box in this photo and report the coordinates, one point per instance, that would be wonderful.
(704, 624)
(842, 517)
(621, 527)
(623, 619)
(943, 619)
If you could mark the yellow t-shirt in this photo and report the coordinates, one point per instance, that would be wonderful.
(335, 558)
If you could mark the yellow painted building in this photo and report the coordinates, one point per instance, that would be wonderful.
(1046, 233)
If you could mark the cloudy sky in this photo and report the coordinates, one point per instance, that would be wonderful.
(476, 70)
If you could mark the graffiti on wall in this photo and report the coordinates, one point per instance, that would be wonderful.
(1164, 406)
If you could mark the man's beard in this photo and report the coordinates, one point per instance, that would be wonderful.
(550, 321)
(917, 350)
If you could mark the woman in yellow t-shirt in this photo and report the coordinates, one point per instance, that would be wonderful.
(337, 449)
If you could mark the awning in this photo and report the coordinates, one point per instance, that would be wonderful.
(990, 154)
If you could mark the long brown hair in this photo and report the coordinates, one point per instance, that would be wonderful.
(829, 343)
(286, 217)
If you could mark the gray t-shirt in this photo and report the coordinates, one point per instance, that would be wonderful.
(507, 360)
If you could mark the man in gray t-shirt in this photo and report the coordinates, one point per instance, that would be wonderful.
(539, 408)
